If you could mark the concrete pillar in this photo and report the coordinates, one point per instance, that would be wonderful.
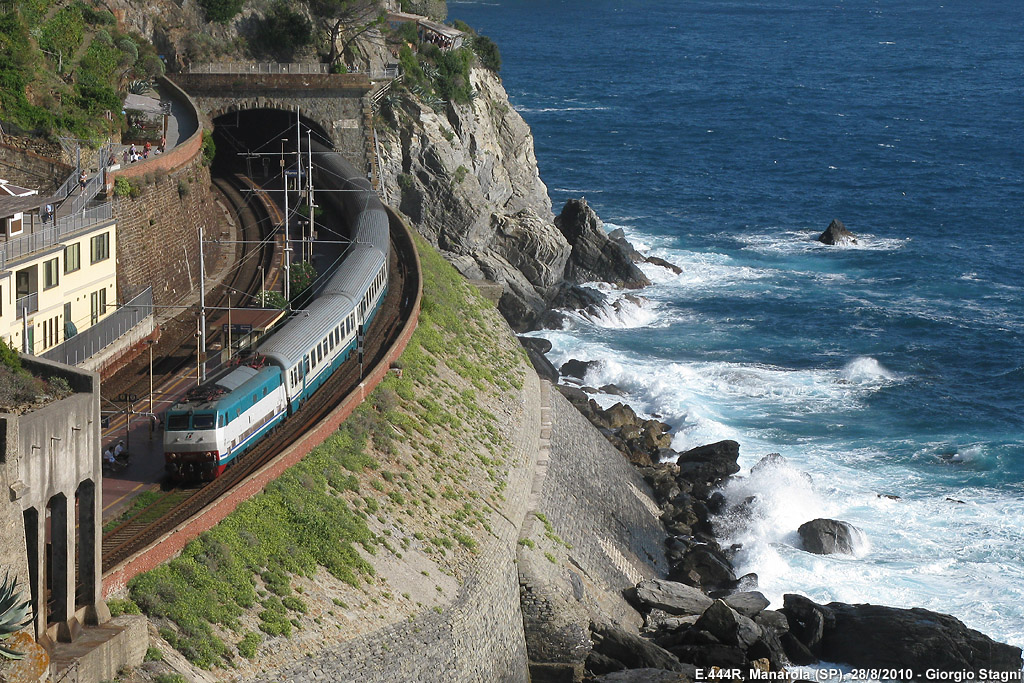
(62, 568)
(89, 554)
(35, 542)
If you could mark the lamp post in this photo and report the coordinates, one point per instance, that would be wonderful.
(152, 408)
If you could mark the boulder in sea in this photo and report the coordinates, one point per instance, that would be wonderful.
(577, 368)
(828, 536)
(654, 260)
(836, 233)
(612, 389)
(538, 344)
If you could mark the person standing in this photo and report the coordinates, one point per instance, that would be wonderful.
(81, 181)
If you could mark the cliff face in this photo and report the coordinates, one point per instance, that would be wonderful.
(466, 176)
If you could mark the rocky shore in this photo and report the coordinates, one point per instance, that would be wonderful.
(701, 616)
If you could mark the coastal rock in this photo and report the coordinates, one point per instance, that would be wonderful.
(578, 368)
(618, 235)
(612, 389)
(594, 256)
(544, 368)
(808, 622)
(654, 260)
(828, 536)
(672, 597)
(728, 626)
(688, 675)
(619, 415)
(919, 639)
(710, 567)
(709, 464)
(747, 603)
(632, 651)
(836, 233)
(538, 344)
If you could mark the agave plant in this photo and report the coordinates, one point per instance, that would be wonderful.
(140, 87)
(13, 616)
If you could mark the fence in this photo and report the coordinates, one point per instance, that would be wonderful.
(389, 72)
(62, 227)
(83, 346)
(259, 68)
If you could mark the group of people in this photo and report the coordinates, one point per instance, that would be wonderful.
(117, 457)
(132, 154)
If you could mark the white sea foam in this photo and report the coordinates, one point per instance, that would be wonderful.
(624, 312)
(785, 241)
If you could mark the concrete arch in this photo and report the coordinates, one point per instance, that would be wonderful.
(320, 126)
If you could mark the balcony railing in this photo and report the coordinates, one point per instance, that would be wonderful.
(62, 227)
(85, 345)
(27, 304)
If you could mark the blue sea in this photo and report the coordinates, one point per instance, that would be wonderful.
(724, 136)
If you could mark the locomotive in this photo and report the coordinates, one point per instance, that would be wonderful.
(228, 415)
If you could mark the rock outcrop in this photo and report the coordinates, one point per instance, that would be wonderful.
(836, 233)
(467, 178)
(881, 637)
(828, 536)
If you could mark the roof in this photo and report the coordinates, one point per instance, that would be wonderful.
(11, 190)
(444, 30)
(12, 205)
(261, 319)
(404, 16)
(147, 105)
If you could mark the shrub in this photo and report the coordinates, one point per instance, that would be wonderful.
(153, 655)
(183, 188)
(118, 607)
(122, 188)
(282, 31)
(248, 645)
(209, 148)
(487, 50)
(9, 357)
(221, 11)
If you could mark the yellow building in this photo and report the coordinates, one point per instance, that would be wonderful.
(58, 277)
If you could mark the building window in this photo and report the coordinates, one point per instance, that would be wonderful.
(72, 257)
(98, 307)
(100, 245)
(51, 273)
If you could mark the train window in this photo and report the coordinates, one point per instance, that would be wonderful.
(220, 420)
(177, 423)
(264, 391)
(255, 398)
(305, 363)
(201, 421)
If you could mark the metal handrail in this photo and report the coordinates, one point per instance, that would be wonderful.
(96, 338)
(260, 68)
(62, 227)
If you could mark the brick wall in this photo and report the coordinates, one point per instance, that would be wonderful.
(157, 234)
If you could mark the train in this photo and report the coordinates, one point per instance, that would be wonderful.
(229, 414)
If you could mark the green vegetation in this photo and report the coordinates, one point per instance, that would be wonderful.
(221, 11)
(435, 497)
(68, 72)
(118, 607)
(282, 31)
(153, 655)
(209, 148)
(15, 614)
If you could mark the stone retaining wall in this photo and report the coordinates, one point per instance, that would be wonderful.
(595, 533)
(28, 169)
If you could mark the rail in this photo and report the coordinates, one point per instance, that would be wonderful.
(26, 305)
(298, 68)
(62, 227)
(87, 344)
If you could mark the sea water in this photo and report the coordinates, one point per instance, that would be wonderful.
(724, 136)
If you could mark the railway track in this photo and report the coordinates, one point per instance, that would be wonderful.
(176, 348)
(176, 506)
